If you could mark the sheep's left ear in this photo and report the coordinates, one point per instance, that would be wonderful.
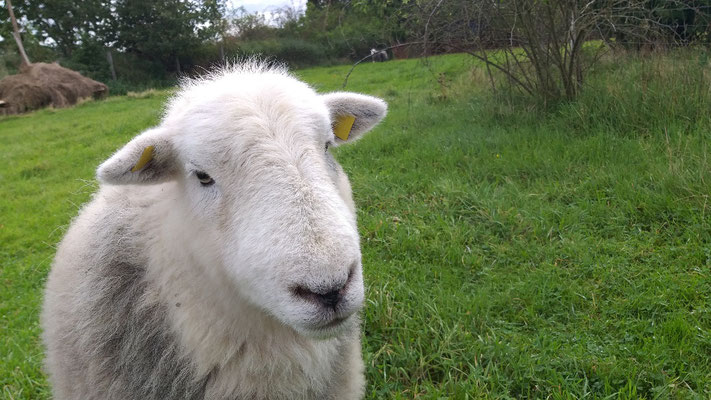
(353, 114)
(149, 158)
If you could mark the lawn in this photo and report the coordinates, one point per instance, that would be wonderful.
(508, 252)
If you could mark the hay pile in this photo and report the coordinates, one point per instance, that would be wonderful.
(41, 85)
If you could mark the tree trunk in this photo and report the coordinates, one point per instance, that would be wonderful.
(177, 65)
(25, 64)
(110, 59)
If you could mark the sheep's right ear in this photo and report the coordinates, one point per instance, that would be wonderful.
(353, 114)
(148, 158)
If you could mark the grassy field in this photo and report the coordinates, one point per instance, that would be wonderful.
(508, 252)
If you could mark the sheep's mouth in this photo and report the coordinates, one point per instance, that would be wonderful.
(328, 324)
(333, 323)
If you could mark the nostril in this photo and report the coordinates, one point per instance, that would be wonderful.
(302, 292)
(326, 296)
(328, 299)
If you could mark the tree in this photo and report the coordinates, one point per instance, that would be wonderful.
(350, 28)
(65, 22)
(165, 30)
(249, 26)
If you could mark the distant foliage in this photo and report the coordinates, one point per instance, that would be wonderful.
(545, 48)
(349, 29)
(78, 34)
(542, 41)
(165, 30)
(89, 59)
(327, 31)
(295, 52)
(66, 22)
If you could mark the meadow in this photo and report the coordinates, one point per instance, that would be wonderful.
(508, 251)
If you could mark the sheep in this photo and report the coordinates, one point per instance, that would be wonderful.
(378, 55)
(220, 257)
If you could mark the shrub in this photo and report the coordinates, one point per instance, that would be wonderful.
(89, 59)
(295, 52)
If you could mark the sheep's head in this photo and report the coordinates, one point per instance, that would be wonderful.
(265, 204)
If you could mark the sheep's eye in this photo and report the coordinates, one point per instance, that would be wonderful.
(204, 178)
(328, 144)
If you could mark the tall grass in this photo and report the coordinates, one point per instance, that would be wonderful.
(642, 94)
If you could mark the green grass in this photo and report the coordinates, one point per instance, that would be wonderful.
(508, 252)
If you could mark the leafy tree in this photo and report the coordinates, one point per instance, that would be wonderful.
(10, 59)
(165, 30)
(249, 26)
(350, 28)
(65, 22)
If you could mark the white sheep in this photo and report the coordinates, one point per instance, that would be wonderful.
(220, 258)
(378, 55)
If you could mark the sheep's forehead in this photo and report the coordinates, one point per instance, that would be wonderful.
(225, 117)
(240, 94)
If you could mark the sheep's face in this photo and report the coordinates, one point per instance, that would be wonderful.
(268, 208)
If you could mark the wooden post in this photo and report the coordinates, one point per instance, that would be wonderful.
(110, 59)
(25, 64)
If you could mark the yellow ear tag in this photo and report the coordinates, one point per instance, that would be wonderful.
(145, 158)
(343, 126)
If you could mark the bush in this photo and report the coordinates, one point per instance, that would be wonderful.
(295, 52)
(122, 87)
(89, 59)
(133, 68)
(134, 74)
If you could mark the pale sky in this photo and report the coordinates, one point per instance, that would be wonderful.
(263, 6)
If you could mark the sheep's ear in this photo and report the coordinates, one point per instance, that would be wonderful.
(148, 158)
(353, 114)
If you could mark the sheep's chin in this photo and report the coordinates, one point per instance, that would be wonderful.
(335, 328)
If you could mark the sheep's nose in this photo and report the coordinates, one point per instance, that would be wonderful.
(331, 298)
(328, 298)
(326, 295)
